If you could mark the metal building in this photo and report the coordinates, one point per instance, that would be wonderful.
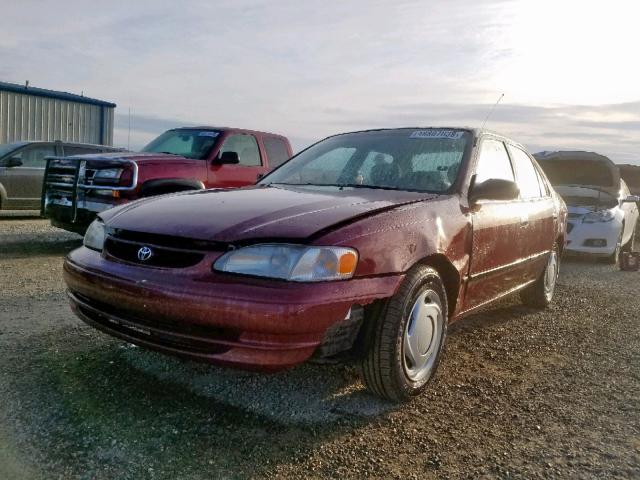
(28, 113)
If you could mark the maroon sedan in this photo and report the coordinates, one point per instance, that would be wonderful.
(364, 245)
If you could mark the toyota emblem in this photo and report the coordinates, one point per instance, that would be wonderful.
(144, 254)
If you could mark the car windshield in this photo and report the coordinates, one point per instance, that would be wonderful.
(8, 147)
(401, 159)
(189, 143)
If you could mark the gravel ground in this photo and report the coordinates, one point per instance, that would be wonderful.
(520, 393)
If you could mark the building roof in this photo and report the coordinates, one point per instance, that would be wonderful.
(42, 92)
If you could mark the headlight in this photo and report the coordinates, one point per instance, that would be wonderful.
(108, 174)
(94, 238)
(598, 216)
(297, 263)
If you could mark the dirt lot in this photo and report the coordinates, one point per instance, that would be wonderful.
(520, 393)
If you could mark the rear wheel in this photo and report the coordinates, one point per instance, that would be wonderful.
(406, 337)
(540, 293)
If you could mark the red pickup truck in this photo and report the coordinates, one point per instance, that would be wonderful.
(76, 188)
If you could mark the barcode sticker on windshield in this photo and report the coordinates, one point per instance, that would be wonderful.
(432, 133)
(208, 134)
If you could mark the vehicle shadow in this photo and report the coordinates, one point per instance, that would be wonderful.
(38, 247)
(99, 405)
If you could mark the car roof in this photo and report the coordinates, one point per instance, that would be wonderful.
(475, 131)
(59, 142)
(229, 129)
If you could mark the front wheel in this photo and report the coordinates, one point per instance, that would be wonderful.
(614, 258)
(540, 293)
(406, 337)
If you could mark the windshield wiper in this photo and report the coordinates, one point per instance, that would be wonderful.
(373, 187)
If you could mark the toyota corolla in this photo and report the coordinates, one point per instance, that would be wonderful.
(365, 246)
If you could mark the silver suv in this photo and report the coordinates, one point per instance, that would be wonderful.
(22, 170)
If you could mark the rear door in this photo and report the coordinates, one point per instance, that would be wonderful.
(498, 249)
(538, 207)
(24, 183)
(244, 173)
(277, 151)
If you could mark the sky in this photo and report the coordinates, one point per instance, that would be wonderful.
(568, 69)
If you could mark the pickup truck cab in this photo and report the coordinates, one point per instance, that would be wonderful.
(190, 158)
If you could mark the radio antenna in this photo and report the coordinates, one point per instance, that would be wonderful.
(492, 109)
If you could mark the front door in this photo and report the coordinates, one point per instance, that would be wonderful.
(23, 183)
(244, 173)
(498, 226)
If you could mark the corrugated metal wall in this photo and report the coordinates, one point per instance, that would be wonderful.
(30, 117)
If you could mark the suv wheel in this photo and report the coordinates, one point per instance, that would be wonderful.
(540, 293)
(406, 337)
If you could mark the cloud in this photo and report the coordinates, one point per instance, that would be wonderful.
(310, 69)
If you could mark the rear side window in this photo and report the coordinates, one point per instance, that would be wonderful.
(544, 186)
(246, 147)
(493, 162)
(526, 173)
(276, 151)
(80, 150)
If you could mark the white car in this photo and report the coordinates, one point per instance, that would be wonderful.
(602, 213)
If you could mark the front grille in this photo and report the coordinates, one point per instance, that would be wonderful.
(194, 338)
(129, 251)
(570, 227)
(168, 241)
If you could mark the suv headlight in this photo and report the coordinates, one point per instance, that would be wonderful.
(108, 174)
(598, 216)
(296, 263)
(94, 238)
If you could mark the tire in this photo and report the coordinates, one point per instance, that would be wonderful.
(614, 258)
(415, 318)
(540, 293)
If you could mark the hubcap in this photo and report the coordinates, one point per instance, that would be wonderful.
(422, 336)
(551, 275)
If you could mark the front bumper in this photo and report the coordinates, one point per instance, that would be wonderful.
(64, 217)
(223, 319)
(581, 233)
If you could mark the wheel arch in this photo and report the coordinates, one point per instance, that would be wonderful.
(169, 185)
(450, 277)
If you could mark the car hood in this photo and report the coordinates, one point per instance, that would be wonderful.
(254, 212)
(138, 157)
(585, 169)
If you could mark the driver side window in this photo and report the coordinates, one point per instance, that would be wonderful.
(493, 162)
(246, 147)
(34, 157)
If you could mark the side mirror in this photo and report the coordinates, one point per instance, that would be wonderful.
(631, 199)
(13, 162)
(228, 158)
(494, 189)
